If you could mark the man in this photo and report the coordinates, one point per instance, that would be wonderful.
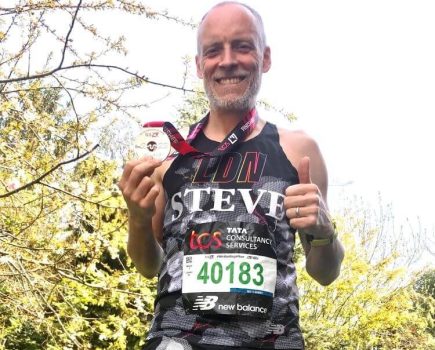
(219, 224)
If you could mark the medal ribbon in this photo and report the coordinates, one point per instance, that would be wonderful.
(238, 134)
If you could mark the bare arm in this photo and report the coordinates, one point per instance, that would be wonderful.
(312, 218)
(142, 189)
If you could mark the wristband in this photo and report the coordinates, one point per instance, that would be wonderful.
(318, 242)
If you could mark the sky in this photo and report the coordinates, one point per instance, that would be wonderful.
(358, 75)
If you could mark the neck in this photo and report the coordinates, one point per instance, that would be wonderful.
(220, 123)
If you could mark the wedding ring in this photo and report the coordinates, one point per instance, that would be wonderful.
(297, 212)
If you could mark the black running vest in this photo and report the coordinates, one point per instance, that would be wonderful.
(244, 186)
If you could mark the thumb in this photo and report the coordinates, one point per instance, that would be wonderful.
(304, 171)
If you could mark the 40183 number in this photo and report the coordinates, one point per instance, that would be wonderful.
(245, 273)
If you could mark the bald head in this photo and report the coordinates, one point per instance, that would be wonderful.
(232, 56)
(255, 16)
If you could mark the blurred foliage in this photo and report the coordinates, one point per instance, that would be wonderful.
(425, 300)
(425, 283)
(65, 279)
(368, 307)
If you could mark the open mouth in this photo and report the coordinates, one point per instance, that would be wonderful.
(229, 81)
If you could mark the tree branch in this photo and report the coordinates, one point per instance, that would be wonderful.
(69, 33)
(98, 204)
(92, 65)
(47, 173)
(82, 281)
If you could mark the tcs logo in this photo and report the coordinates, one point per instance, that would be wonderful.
(205, 240)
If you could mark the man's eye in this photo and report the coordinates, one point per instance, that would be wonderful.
(211, 52)
(244, 47)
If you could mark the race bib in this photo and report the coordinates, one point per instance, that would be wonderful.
(229, 269)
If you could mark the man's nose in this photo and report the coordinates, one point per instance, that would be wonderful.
(228, 58)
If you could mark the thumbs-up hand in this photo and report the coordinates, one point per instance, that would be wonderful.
(305, 207)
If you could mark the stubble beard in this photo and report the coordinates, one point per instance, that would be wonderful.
(239, 103)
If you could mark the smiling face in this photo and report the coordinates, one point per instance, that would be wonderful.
(231, 57)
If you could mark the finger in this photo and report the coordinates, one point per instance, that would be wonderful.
(302, 212)
(294, 201)
(140, 191)
(151, 159)
(127, 171)
(304, 171)
(294, 212)
(150, 199)
(135, 171)
(302, 200)
(301, 189)
(153, 163)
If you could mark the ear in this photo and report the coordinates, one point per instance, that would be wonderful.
(267, 59)
(198, 67)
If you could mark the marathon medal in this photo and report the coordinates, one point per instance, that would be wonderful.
(152, 142)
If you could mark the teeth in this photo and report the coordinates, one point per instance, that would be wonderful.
(230, 80)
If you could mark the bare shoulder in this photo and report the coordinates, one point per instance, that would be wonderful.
(297, 144)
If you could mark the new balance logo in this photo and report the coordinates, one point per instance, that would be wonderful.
(207, 302)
